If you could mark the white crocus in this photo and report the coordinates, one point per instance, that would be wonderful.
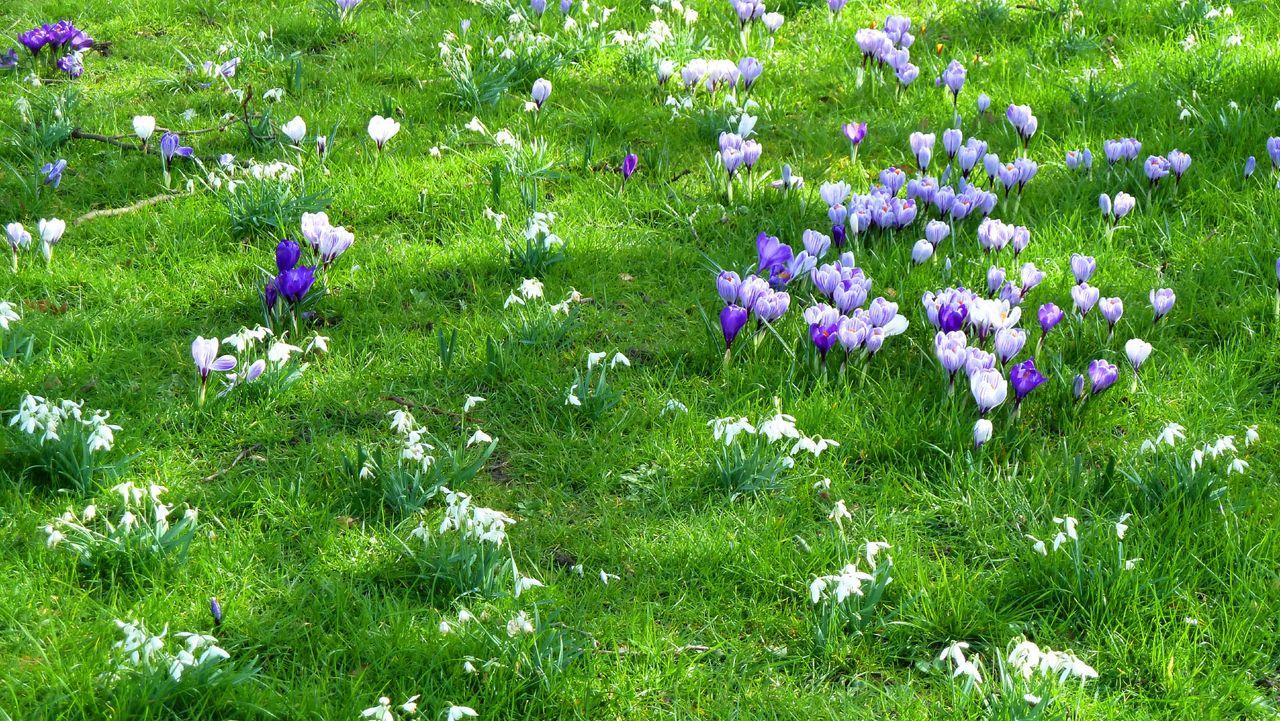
(382, 129)
(295, 129)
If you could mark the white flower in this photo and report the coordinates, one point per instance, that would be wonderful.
(464, 616)
(402, 421)
(276, 94)
(595, 358)
(1121, 526)
(619, 358)
(1250, 433)
(381, 712)
(1237, 466)
(458, 712)
(295, 129)
(280, 352)
(411, 706)
(873, 549)
(470, 403)
(672, 406)
(445, 628)
(513, 299)
(54, 537)
(727, 429)
(779, 427)
(476, 126)
(1131, 564)
(1171, 433)
(144, 126)
(839, 513)
(572, 400)
(531, 288)
(524, 583)
(478, 437)
(468, 667)
(382, 129)
(1197, 459)
(51, 230)
(519, 625)
(605, 576)
(814, 445)
(7, 315)
(1038, 546)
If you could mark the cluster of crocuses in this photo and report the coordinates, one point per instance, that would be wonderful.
(889, 47)
(737, 155)
(718, 75)
(64, 42)
(293, 289)
(204, 353)
(751, 13)
(50, 229)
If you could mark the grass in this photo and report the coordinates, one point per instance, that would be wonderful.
(709, 614)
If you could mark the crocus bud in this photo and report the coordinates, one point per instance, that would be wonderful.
(982, 431)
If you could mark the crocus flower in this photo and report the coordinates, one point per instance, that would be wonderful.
(541, 91)
(1083, 267)
(771, 253)
(772, 305)
(9, 60)
(817, 244)
(732, 320)
(921, 251)
(204, 351)
(1178, 163)
(989, 389)
(53, 172)
(1156, 168)
(294, 284)
(295, 129)
(1009, 342)
(215, 610)
(1122, 205)
(1138, 351)
(382, 129)
(749, 69)
(1085, 297)
(288, 253)
(1273, 150)
(144, 126)
(1162, 302)
(727, 285)
(1050, 315)
(334, 242)
(1025, 378)
(982, 431)
(19, 238)
(1250, 164)
(1077, 387)
(824, 336)
(51, 231)
(936, 231)
(951, 349)
(752, 289)
(34, 40)
(984, 102)
(855, 132)
(72, 65)
(1112, 309)
(953, 78)
(538, 6)
(629, 164)
(1102, 375)
(171, 147)
(772, 21)
(995, 279)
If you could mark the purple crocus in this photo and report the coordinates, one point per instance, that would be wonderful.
(824, 336)
(53, 172)
(1102, 375)
(294, 284)
(538, 7)
(855, 132)
(1050, 315)
(750, 69)
(1024, 377)
(1157, 168)
(1250, 164)
(541, 91)
(288, 252)
(215, 610)
(9, 60)
(34, 40)
(204, 351)
(952, 351)
(772, 254)
(984, 103)
(71, 65)
(989, 389)
(1178, 163)
(1273, 150)
(629, 164)
(732, 319)
(1008, 343)
(772, 305)
(752, 289)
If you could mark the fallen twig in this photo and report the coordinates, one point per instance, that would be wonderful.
(246, 453)
(106, 212)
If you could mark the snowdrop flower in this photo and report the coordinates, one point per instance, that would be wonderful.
(617, 359)
(573, 399)
(519, 625)
(1038, 546)
(295, 129)
(381, 712)
(9, 315)
(1237, 466)
(873, 549)
(1250, 436)
(839, 513)
(478, 437)
(813, 445)
(458, 712)
(144, 126)
(280, 352)
(445, 628)
(605, 576)
(411, 706)
(275, 94)
(594, 359)
(1172, 432)
(475, 126)
(1122, 527)
(470, 403)
(1197, 459)
(779, 427)
(382, 129)
(524, 583)
(727, 429)
(1131, 563)
(673, 406)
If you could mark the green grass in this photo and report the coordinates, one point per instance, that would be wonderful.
(709, 616)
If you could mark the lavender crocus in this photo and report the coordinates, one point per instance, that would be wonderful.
(1009, 343)
(952, 351)
(1178, 164)
(727, 286)
(204, 352)
(1162, 302)
(936, 231)
(1250, 164)
(984, 103)
(855, 132)
(953, 78)
(171, 147)
(772, 254)
(1112, 309)
(921, 251)
(982, 432)
(215, 610)
(1102, 375)
(1273, 151)
(772, 305)
(1083, 267)
(732, 319)
(72, 65)
(1085, 297)
(752, 289)
(989, 389)
(53, 172)
(541, 91)
(815, 243)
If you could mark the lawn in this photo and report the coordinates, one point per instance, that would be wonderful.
(492, 454)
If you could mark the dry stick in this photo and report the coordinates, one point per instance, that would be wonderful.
(107, 212)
